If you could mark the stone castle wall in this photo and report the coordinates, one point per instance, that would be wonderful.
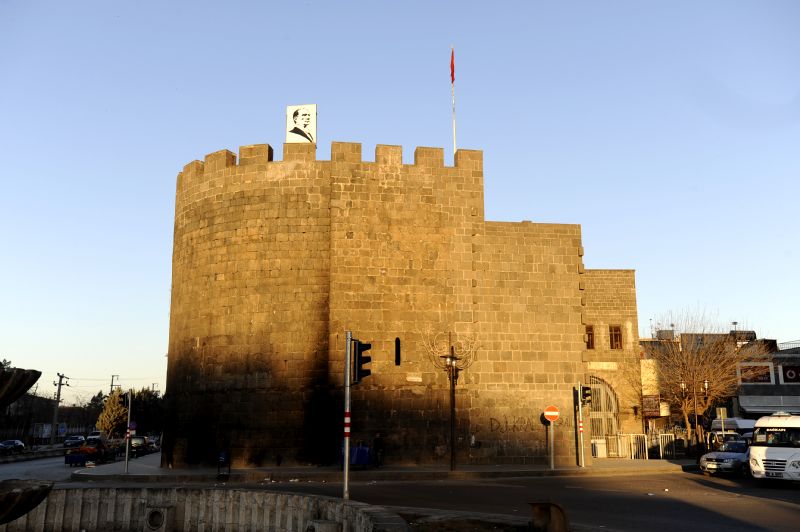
(274, 261)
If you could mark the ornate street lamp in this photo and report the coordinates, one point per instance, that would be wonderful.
(694, 439)
(452, 357)
(451, 366)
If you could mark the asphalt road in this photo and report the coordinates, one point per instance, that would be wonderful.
(660, 502)
(654, 502)
(39, 469)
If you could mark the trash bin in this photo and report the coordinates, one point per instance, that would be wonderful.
(223, 465)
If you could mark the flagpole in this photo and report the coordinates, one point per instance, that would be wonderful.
(453, 94)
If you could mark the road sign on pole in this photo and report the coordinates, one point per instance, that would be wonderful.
(551, 415)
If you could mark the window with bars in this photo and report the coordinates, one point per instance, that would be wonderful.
(590, 337)
(615, 336)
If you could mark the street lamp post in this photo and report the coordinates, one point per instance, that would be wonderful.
(453, 355)
(683, 395)
(694, 433)
(451, 366)
(705, 394)
(694, 441)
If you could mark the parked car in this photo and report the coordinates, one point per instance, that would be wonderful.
(94, 440)
(11, 446)
(93, 450)
(139, 446)
(732, 457)
(76, 440)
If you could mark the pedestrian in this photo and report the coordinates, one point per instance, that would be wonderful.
(377, 450)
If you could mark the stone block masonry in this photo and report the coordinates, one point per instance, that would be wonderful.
(274, 260)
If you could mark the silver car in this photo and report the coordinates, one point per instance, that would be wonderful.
(11, 446)
(732, 457)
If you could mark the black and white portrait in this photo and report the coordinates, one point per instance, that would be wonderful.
(301, 123)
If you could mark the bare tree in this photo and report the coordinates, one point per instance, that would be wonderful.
(629, 371)
(698, 365)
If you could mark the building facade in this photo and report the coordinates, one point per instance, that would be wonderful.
(274, 260)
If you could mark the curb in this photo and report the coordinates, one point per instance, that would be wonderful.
(244, 476)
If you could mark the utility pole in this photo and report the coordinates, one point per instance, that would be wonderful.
(60, 383)
(111, 390)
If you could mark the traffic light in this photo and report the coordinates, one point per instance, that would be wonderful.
(586, 395)
(361, 361)
(124, 399)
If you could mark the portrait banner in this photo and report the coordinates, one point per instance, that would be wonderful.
(301, 124)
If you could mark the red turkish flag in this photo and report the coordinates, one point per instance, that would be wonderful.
(452, 65)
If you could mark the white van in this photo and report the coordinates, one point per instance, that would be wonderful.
(775, 450)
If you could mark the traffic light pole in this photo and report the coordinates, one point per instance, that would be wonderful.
(346, 458)
(580, 425)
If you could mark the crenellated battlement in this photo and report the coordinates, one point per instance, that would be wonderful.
(341, 152)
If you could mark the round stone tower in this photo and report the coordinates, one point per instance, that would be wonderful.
(248, 339)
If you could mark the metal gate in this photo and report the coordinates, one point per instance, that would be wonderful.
(603, 415)
(666, 446)
(633, 446)
(603, 419)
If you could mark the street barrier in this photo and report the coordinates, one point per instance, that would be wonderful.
(164, 509)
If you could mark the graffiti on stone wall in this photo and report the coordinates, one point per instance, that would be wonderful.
(513, 424)
(510, 434)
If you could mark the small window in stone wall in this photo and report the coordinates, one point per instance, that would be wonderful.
(615, 336)
(590, 337)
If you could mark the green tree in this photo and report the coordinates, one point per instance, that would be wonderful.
(114, 417)
(5, 364)
(94, 407)
(148, 411)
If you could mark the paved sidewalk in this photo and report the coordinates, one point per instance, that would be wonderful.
(147, 469)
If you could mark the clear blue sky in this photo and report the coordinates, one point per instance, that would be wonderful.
(668, 130)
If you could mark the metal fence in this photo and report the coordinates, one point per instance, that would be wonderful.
(665, 446)
(620, 446)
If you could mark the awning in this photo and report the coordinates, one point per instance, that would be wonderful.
(768, 404)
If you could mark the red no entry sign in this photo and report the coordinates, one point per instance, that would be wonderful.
(551, 413)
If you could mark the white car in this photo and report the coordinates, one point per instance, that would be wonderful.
(732, 457)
